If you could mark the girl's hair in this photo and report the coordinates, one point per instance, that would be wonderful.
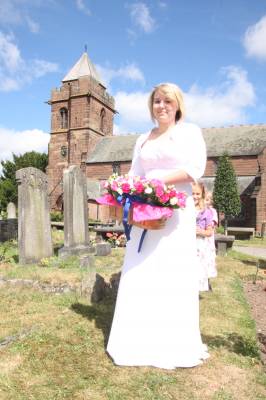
(174, 93)
(209, 194)
(201, 185)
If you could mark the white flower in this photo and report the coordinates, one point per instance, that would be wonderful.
(173, 201)
(148, 190)
(120, 191)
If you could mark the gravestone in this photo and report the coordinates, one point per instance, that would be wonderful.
(76, 232)
(11, 211)
(103, 249)
(34, 225)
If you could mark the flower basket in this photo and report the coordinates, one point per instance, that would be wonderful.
(146, 203)
(153, 224)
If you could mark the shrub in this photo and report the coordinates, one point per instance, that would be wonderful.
(57, 216)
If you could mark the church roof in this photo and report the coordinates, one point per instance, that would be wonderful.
(114, 148)
(83, 67)
(238, 140)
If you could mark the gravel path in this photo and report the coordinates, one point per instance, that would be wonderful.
(252, 251)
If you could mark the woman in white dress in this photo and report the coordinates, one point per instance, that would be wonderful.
(156, 319)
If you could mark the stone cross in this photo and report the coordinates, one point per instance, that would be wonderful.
(34, 225)
(11, 211)
(76, 232)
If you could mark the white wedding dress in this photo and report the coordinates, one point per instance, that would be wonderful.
(156, 319)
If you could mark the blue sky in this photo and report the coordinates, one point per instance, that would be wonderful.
(215, 50)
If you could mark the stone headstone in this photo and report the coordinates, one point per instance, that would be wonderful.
(34, 225)
(76, 232)
(86, 261)
(103, 249)
(11, 211)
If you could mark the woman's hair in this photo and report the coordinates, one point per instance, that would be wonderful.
(200, 185)
(174, 93)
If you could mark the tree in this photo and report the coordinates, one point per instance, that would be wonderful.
(8, 184)
(225, 194)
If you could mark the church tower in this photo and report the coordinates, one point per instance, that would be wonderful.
(81, 114)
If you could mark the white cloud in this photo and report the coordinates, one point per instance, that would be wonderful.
(12, 12)
(133, 111)
(219, 105)
(42, 67)
(140, 15)
(9, 53)
(34, 27)
(15, 72)
(224, 104)
(129, 72)
(82, 7)
(20, 142)
(255, 40)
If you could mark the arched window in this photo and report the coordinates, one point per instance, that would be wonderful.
(63, 118)
(116, 168)
(102, 119)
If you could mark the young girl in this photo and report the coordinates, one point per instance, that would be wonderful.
(204, 230)
(212, 273)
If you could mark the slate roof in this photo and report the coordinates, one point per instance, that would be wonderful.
(236, 140)
(83, 67)
(114, 148)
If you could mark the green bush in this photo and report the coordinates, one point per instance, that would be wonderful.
(219, 229)
(57, 216)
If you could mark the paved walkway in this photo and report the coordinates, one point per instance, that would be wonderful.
(252, 251)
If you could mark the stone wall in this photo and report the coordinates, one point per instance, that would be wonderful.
(84, 101)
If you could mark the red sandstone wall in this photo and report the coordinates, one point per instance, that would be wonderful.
(244, 165)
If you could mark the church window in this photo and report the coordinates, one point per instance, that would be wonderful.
(116, 168)
(102, 119)
(63, 151)
(64, 118)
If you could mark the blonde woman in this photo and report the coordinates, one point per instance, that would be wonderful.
(156, 319)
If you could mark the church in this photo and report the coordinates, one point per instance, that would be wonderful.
(82, 114)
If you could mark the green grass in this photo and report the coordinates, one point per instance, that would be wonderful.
(252, 242)
(58, 351)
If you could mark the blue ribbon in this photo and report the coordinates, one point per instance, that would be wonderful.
(126, 200)
(141, 239)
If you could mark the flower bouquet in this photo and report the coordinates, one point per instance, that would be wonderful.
(146, 203)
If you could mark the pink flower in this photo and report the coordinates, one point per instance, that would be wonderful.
(159, 191)
(125, 187)
(139, 186)
(164, 198)
(156, 182)
(172, 193)
(114, 186)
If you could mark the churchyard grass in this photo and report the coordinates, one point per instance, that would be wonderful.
(56, 343)
(252, 242)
